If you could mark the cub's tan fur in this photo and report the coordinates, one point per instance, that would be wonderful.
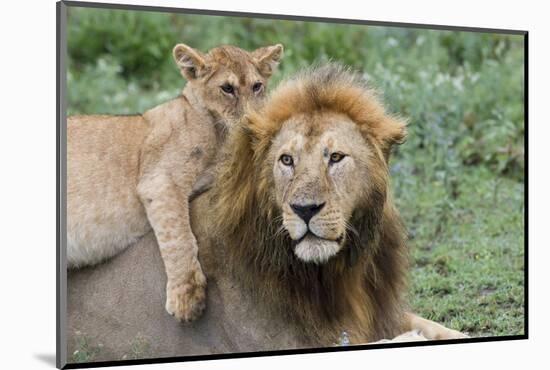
(127, 174)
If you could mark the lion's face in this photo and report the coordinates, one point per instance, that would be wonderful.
(227, 79)
(321, 174)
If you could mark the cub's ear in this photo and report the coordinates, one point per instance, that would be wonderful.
(190, 61)
(268, 58)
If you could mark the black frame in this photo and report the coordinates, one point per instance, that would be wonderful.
(61, 272)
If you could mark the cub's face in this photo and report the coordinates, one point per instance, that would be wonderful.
(228, 78)
(321, 174)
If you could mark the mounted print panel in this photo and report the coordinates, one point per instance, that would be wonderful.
(239, 184)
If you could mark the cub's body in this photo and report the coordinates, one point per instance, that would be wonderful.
(107, 158)
(130, 174)
(105, 214)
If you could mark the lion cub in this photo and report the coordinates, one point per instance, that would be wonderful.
(128, 174)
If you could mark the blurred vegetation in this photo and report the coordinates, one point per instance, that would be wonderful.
(459, 179)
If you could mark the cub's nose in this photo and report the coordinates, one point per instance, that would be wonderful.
(306, 211)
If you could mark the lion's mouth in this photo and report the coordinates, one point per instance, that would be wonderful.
(309, 233)
(312, 248)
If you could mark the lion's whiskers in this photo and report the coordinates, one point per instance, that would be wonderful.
(280, 229)
(350, 228)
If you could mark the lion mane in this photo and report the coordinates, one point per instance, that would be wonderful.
(361, 289)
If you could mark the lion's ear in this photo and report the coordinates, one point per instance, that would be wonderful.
(190, 61)
(393, 131)
(268, 58)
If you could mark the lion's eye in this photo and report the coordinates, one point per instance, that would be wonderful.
(227, 88)
(336, 157)
(286, 160)
(257, 87)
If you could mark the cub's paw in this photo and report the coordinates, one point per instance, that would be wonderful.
(186, 298)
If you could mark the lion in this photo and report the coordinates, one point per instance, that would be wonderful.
(130, 174)
(303, 206)
(298, 237)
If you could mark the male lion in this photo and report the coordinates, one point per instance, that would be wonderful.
(303, 207)
(298, 237)
(128, 174)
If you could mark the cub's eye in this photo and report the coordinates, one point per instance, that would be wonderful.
(227, 88)
(336, 157)
(257, 87)
(286, 160)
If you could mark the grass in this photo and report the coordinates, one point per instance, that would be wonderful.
(458, 180)
(89, 349)
(86, 349)
(467, 253)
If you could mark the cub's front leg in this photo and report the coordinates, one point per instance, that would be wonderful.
(167, 209)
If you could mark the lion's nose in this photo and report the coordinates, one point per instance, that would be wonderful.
(306, 211)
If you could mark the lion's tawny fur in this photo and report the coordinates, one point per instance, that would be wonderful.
(361, 289)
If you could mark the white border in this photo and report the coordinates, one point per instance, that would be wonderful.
(28, 182)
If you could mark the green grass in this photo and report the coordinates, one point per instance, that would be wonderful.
(458, 180)
(467, 248)
(89, 349)
(140, 347)
(86, 349)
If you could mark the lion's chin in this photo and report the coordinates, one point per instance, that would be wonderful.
(316, 250)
